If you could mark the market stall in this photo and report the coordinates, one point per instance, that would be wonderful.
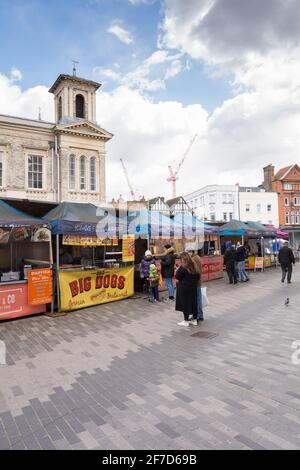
(94, 256)
(261, 241)
(25, 264)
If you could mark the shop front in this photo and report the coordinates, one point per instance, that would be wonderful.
(25, 264)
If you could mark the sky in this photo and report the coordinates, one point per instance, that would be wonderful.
(226, 70)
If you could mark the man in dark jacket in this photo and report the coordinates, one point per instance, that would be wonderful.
(241, 255)
(230, 263)
(286, 259)
(167, 269)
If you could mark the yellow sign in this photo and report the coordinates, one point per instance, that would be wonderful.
(79, 289)
(259, 263)
(83, 240)
(128, 248)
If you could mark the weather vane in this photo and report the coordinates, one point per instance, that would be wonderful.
(75, 62)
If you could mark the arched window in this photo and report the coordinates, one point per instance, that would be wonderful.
(72, 172)
(59, 109)
(82, 173)
(93, 176)
(79, 106)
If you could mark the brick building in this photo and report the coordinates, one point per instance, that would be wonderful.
(286, 183)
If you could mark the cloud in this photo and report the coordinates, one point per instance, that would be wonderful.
(141, 2)
(151, 75)
(122, 34)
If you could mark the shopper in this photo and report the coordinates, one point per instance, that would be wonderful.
(198, 265)
(230, 261)
(154, 283)
(186, 296)
(167, 269)
(241, 255)
(286, 259)
(144, 271)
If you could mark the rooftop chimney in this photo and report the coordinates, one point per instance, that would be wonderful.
(269, 173)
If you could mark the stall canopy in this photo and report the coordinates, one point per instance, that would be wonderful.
(235, 228)
(261, 230)
(84, 219)
(279, 233)
(11, 217)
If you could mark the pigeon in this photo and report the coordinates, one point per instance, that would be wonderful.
(287, 302)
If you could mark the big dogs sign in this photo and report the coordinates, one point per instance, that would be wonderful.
(85, 289)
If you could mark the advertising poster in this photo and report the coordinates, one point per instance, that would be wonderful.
(39, 286)
(85, 289)
(128, 248)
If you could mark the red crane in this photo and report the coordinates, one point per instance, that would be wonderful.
(174, 175)
(128, 180)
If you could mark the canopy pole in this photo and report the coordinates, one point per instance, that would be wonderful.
(11, 257)
(57, 273)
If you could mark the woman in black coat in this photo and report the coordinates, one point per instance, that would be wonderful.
(186, 296)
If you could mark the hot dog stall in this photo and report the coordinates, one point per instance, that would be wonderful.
(94, 256)
(25, 264)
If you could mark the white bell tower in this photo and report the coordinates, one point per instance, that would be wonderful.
(75, 98)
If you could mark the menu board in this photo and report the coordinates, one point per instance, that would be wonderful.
(128, 248)
(89, 240)
(40, 286)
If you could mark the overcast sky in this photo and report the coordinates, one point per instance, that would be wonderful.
(228, 70)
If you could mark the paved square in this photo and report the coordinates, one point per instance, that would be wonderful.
(125, 376)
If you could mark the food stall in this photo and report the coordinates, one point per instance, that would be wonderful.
(25, 264)
(261, 242)
(94, 256)
(183, 231)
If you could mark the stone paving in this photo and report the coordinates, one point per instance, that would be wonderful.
(125, 376)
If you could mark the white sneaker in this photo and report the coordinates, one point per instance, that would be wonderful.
(194, 322)
(183, 323)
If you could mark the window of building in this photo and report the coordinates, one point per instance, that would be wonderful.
(79, 106)
(297, 218)
(93, 184)
(1, 168)
(225, 216)
(213, 217)
(269, 208)
(224, 198)
(230, 215)
(248, 190)
(59, 109)
(230, 198)
(287, 218)
(288, 186)
(258, 208)
(72, 172)
(35, 172)
(297, 201)
(286, 201)
(248, 207)
(82, 173)
(293, 218)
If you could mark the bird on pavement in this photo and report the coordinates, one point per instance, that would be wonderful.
(287, 302)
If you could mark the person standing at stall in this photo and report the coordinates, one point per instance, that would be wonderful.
(145, 270)
(167, 269)
(241, 255)
(186, 295)
(230, 261)
(286, 259)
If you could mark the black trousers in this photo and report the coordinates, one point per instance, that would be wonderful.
(287, 269)
(232, 273)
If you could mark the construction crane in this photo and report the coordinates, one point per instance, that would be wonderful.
(128, 180)
(174, 175)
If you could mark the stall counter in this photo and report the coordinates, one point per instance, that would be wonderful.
(14, 301)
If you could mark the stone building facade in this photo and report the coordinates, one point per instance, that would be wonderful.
(61, 161)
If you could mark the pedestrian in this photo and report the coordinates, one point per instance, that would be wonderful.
(144, 271)
(153, 283)
(186, 295)
(167, 269)
(241, 255)
(198, 265)
(286, 259)
(230, 261)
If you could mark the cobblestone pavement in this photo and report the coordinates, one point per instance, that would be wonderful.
(125, 376)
